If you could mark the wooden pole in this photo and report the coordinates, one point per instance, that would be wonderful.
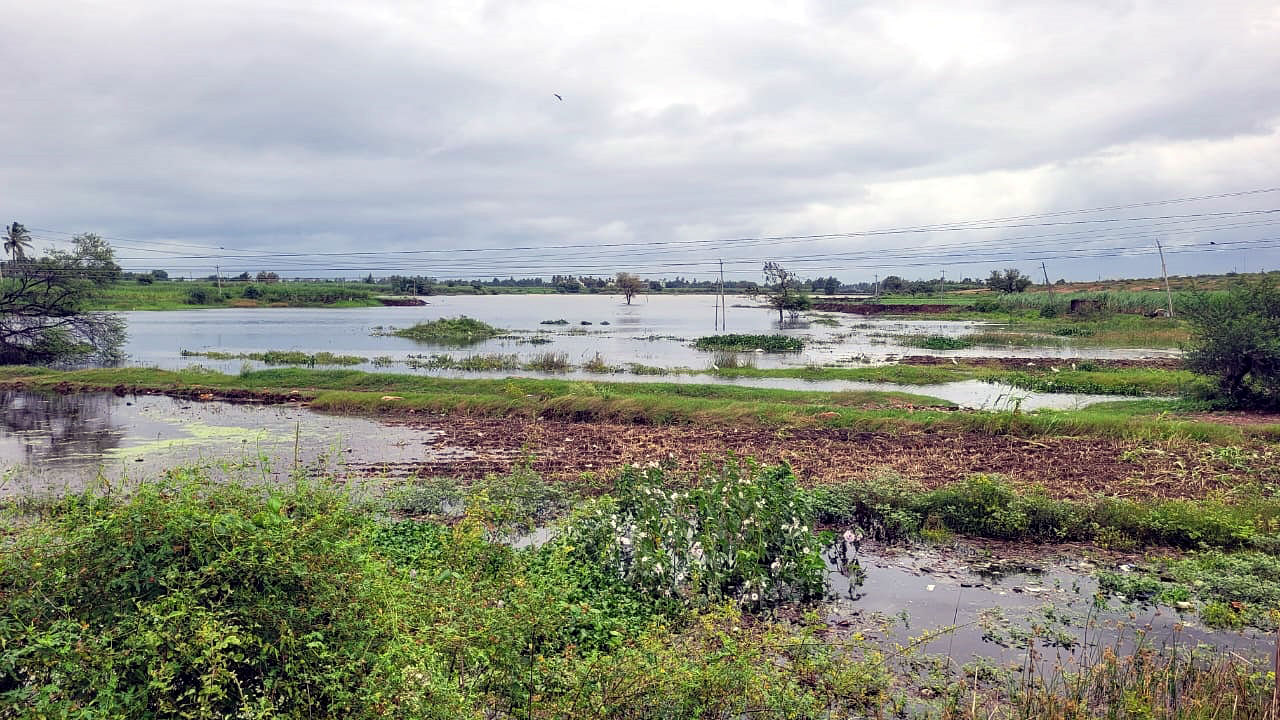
(724, 309)
(1165, 272)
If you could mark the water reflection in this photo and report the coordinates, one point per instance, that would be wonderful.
(55, 429)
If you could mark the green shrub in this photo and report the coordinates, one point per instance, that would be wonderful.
(461, 330)
(198, 296)
(1236, 339)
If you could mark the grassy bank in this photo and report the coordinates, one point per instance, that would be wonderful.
(170, 295)
(648, 403)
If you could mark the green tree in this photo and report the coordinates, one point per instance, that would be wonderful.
(1235, 338)
(629, 285)
(42, 307)
(1010, 281)
(17, 240)
(784, 290)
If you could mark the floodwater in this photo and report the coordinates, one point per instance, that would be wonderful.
(59, 443)
(984, 607)
(655, 330)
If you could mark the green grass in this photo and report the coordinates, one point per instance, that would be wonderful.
(750, 343)
(459, 330)
(172, 295)
(655, 403)
(1129, 381)
(987, 506)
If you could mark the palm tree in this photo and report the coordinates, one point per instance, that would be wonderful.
(16, 241)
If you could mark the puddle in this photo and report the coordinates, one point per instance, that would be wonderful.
(996, 608)
(62, 442)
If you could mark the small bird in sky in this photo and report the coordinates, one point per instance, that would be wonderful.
(558, 97)
(1212, 242)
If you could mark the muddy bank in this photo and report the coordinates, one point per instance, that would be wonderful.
(1044, 363)
(1065, 467)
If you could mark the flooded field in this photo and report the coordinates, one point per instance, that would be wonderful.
(57, 443)
(1037, 608)
(958, 604)
(655, 330)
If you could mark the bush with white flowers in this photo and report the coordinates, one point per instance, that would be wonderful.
(743, 532)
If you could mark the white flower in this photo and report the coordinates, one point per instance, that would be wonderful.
(657, 568)
(626, 541)
(646, 559)
(755, 597)
(849, 536)
(776, 564)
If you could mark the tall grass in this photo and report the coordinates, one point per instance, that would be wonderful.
(1117, 301)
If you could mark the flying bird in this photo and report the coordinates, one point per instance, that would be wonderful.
(558, 97)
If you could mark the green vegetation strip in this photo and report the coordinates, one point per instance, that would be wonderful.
(651, 403)
(281, 357)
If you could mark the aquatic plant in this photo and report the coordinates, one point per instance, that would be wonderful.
(934, 342)
(461, 330)
(750, 343)
(723, 360)
(549, 362)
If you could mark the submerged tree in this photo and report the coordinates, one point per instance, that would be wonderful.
(630, 285)
(43, 315)
(784, 290)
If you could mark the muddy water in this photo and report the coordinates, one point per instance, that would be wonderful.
(655, 330)
(993, 606)
(54, 443)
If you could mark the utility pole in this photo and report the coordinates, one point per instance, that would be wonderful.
(942, 286)
(217, 270)
(724, 309)
(1165, 272)
(877, 285)
(1046, 278)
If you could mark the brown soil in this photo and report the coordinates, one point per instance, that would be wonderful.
(1016, 363)
(1065, 467)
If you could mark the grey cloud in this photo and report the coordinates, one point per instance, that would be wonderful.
(394, 125)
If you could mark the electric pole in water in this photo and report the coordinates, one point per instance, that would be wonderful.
(1165, 272)
(724, 309)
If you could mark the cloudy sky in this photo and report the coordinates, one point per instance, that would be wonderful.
(424, 134)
